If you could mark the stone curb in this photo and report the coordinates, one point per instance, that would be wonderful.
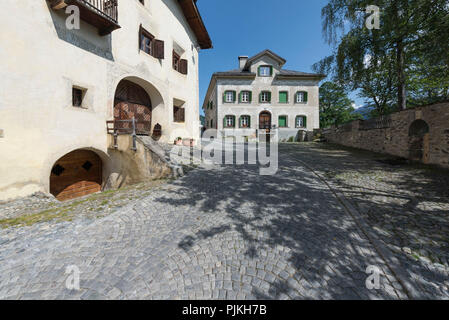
(391, 261)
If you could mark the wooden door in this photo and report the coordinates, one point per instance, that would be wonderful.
(77, 174)
(131, 100)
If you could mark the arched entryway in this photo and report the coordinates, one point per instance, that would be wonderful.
(76, 174)
(419, 141)
(265, 125)
(131, 100)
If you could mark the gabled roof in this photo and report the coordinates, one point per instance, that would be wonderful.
(266, 52)
(195, 22)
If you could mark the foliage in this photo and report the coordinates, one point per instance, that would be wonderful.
(335, 106)
(404, 63)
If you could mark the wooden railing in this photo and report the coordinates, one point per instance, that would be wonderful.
(116, 128)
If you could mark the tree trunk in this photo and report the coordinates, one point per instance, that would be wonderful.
(402, 98)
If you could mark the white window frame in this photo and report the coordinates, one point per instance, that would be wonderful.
(264, 68)
(300, 122)
(229, 96)
(230, 123)
(245, 96)
(264, 97)
(300, 97)
(244, 120)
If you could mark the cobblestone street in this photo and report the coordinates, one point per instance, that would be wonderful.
(226, 232)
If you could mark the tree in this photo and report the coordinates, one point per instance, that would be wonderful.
(385, 63)
(335, 106)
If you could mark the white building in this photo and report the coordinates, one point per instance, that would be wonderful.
(261, 97)
(59, 87)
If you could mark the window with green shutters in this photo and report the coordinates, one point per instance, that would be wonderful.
(245, 97)
(301, 97)
(229, 96)
(229, 121)
(265, 71)
(265, 97)
(301, 122)
(283, 97)
(245, 121)
(282, 121)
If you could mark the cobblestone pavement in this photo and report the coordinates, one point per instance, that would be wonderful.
(406, 206)
(221, 232)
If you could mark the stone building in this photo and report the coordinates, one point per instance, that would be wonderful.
(260, 98)
(61, 84)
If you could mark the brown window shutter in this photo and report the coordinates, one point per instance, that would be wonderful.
(183, 66)
(159, 49)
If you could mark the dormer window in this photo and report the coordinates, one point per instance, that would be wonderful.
(265, 71)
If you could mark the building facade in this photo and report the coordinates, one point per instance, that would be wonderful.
(61, 83)
(260, 98)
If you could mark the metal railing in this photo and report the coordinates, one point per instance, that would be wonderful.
(118, 129)
(108, 8)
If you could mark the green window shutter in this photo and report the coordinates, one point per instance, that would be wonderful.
(305, 96)
(258, 70)
(234, 96)
(224, 122)
(269, 96)
(305, 122)
(250, 96)
(282, 121)
(283, 97)
(260, 97)
(224, 97)
(249, 121)
(271, 70)
(240, 97)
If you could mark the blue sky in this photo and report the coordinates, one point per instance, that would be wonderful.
(290, 28)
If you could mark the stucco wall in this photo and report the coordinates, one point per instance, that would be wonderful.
(40, 61)
(393, 136)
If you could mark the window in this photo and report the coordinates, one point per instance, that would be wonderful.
(229, 96)
(229, 122)
(245, 122)
(77, 97)
(301, 97)
(282, 121)
(265, 97)
(301, 122)
(176, 61)
(265, 71)
(283, 97)
(178, 114)
(149, 45)
(245, 97)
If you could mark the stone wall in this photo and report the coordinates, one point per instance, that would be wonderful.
(420, 134)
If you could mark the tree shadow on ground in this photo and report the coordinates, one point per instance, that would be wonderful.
(290, 215)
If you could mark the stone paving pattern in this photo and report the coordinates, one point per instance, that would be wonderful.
(220, 232)
(406, 205)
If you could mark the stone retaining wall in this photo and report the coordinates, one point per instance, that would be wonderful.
(420, 134)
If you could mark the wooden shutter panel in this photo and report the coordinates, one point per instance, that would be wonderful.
(240, 97)
(249, 121)
(159, 49)
(224, 122)
(271, 70)
(234, 96)
(305, 96)
(183, 66)
(269, 96)
(224, 97)
(250, 96)
(305, 122)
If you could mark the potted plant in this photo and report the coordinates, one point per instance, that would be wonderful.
(178, 141)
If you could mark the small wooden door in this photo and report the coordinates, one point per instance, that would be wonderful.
(265, 125)
(131, 100)
(77, 174)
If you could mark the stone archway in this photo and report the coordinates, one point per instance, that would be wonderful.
(419, 141)
(132, 101)
(76, 174)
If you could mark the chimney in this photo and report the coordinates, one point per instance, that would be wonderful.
(242, 62)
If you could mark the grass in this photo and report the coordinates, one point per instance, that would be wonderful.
(97, 204)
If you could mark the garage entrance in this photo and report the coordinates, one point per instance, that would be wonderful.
(76, 174)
